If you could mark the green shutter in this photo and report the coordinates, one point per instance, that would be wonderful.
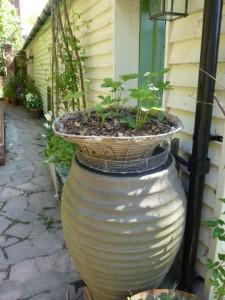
(152, 42)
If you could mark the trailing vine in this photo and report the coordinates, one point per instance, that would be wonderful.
(68, 58)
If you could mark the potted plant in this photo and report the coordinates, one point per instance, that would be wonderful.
(123, 205)
(163, 294)
(112, 129)
(34, 105)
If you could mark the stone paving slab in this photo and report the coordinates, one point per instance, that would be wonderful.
(34, 262)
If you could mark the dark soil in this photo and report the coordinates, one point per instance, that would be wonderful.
(82, 123)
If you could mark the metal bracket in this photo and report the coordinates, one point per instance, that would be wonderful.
(217, 138)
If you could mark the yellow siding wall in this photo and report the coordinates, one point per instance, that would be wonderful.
(183, 54)
(97, 40)
(40, 68)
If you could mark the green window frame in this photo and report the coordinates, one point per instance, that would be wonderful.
(151, 42)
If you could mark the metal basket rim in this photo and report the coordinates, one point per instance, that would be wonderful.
(104, 138)
(165, 150)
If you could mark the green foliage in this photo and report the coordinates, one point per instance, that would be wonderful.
(20, 86)
(14, 87)
(10, 29)
(57, 150)
(31, 87)
(217, 268)
(69, 59)
(115, 100)
(9, 88)
(148, 98)
(33, 101)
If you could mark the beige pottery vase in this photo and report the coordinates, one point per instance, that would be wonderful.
(123, 232)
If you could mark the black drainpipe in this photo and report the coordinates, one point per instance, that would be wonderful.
(199, 162)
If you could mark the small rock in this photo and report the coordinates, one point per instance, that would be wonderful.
(77, 124)
(108, 126)
(116, 123)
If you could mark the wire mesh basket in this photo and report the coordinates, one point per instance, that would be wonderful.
(157, 159)
(119, 149)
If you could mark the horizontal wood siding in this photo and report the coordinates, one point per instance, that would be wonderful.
(40, 68)
(97, 40)
(183, 55)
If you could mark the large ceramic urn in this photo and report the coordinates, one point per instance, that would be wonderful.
(123, 228)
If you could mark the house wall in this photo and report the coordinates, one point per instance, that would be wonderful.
(182, 56)
(97, 40)
(112, 47)
(40, 68)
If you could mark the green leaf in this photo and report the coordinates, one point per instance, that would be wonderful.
(222, 200)
(221, 291)
(126, 77)
(211, 265)
(211, 223)
(217, 232)
(222, 270)
(215, 273)
(221, 222)
(222, 237)
(213, 282)
(130, 121)
(221, 256)
(110, 83)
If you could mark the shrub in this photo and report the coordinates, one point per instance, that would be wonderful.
(57, 150)
(33, 101)
(217, 267)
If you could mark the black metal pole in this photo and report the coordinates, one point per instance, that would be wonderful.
(199, 162)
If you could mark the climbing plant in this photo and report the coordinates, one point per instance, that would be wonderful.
(68, 57)
(10, 30)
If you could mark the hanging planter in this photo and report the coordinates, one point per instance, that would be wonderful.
(119, 147)
(34, 104)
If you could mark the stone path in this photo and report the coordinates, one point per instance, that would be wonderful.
(34, 262)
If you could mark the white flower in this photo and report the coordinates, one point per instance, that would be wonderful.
(152, 88)
(147, 74)
(47, 126)
(49, 116)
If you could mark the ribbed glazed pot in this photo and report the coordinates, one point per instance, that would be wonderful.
(123, 232)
